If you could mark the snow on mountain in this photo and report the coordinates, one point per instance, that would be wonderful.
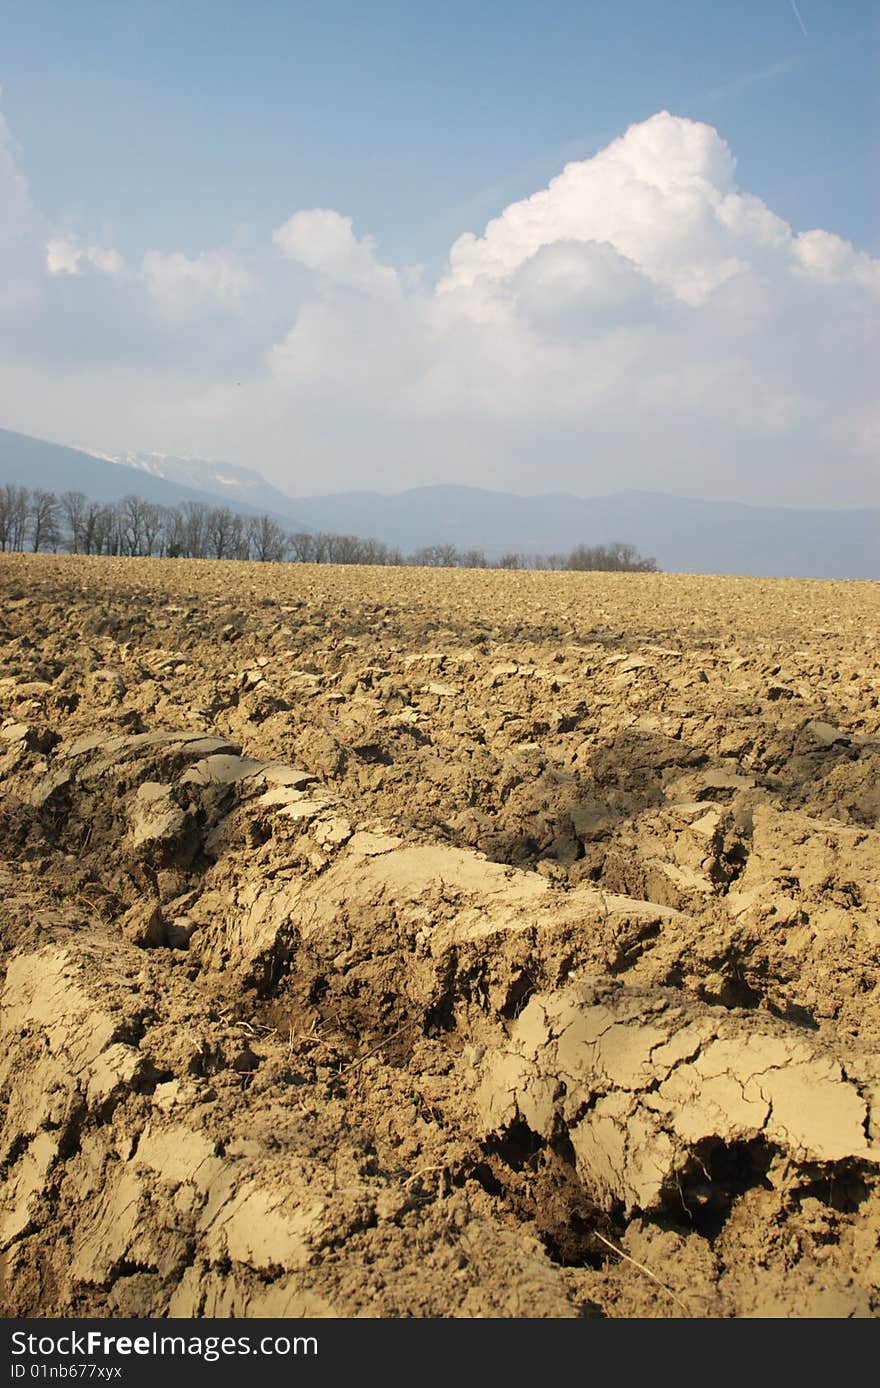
(228, 481)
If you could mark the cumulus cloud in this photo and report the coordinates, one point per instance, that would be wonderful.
(64, 256)
(662, 196)
(656, 195)
(181, 285)
(640, 322)
(325, 242)
(830, 259)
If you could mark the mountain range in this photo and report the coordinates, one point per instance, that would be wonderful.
(684, 535)
(36, 463)
(237, 486)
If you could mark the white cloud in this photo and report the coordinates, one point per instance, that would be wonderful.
(830, 259)
(655, 195)
(325, 242)
(663, 197)
(181, 285)
(64, 256)
(640, 322)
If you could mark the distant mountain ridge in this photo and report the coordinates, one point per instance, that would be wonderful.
(36, 463)
(235, 484)
(684, 535)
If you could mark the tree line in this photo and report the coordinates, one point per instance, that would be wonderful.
(38, 520)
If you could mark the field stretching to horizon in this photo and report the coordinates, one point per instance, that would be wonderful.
(427, 942)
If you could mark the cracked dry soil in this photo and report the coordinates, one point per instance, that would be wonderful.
(437, 943)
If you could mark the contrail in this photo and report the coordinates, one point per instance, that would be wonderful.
(797, 15)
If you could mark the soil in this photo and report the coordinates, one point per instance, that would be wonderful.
(420, 943)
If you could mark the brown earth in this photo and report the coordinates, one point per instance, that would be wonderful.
(392, 942)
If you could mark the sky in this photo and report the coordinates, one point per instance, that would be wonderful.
(578, 246)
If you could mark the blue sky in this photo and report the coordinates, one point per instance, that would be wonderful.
(170, 123)
(189, 129)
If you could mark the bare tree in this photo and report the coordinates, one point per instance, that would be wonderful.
(20, 517)
(473, 559)
(268, 542)
(153, 525)
(131, 524)
(301, 547)
(73, 507)
(89, 527)
(220, 538)
(345, 549)
(613, 558)
(238, 537)
(377, 552)
(321, 552)
(105, 531)
(435, 557)
(195, 530)
(43, 515)
(175, 539)
(14, 503)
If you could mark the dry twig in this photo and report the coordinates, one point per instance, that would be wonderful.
(641, 1267)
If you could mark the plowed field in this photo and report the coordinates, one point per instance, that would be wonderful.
(397, 942)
